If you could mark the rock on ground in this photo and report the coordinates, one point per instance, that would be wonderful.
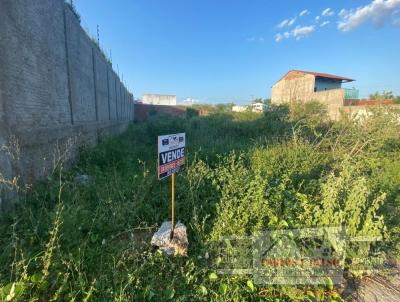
(179, 243)
(375, 288)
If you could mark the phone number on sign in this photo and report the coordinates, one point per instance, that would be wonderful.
(172, 165)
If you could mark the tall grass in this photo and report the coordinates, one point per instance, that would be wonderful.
(245, 172)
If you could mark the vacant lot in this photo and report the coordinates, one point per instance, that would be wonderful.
(68, 240)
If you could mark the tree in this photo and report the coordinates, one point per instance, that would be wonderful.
(261, 100)
(224, 108)
(267, 102)
(385, 95)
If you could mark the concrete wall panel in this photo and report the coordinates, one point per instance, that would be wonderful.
(57, 91)
(33, 63)
(101, 85)
(113, 96)
(81, 71)
(118, 97)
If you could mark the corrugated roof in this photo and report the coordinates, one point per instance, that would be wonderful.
(320, 74)
(326, 75)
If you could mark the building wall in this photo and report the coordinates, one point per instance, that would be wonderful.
(159, 99)
(296, 86)
(333, 99)
(57, 91)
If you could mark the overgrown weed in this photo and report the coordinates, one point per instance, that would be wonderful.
(245, 173)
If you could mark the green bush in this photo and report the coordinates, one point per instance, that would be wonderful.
(191, 112)
(245, 173)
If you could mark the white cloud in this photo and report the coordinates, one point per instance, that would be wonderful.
(327, 12)
(324, 23)
(302, 31)
(278, 37)
(304, 12)
(298, 33)
(283, 23)
(378, 11)
(286, 23)
(317, 18)
(255, 39)
(396, 18)
(342, 12)
(291, 22)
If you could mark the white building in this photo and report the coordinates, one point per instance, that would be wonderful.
(239, 108)
(189, 102)
(258, 107)
(159, 99)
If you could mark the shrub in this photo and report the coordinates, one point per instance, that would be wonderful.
(245, 172)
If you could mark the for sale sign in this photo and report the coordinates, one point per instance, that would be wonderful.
(171, 154)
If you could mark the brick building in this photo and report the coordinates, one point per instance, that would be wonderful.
(304, 86)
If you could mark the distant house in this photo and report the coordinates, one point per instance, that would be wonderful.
(298, 85)
(255, 107)
(258, 107)
(159, 99)
(239, 108)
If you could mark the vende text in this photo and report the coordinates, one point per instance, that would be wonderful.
(170, 156)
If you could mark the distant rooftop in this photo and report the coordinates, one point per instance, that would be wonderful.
(326, 75)
(321, 75)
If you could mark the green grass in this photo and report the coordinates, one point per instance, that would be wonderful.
(245, 172)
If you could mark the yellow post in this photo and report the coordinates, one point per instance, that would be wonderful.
(173, 203)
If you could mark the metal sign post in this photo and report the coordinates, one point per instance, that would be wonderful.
(172, 204)
(171, 158)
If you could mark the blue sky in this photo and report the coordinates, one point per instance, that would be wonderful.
(235, 50)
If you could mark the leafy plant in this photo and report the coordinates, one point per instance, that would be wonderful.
(244, 173)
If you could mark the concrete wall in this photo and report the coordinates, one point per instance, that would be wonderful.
(294, 86)
(101, 81)
(57, 90)
(112, 94)
(333, 99)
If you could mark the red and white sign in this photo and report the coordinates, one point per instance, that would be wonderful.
(171, 154)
